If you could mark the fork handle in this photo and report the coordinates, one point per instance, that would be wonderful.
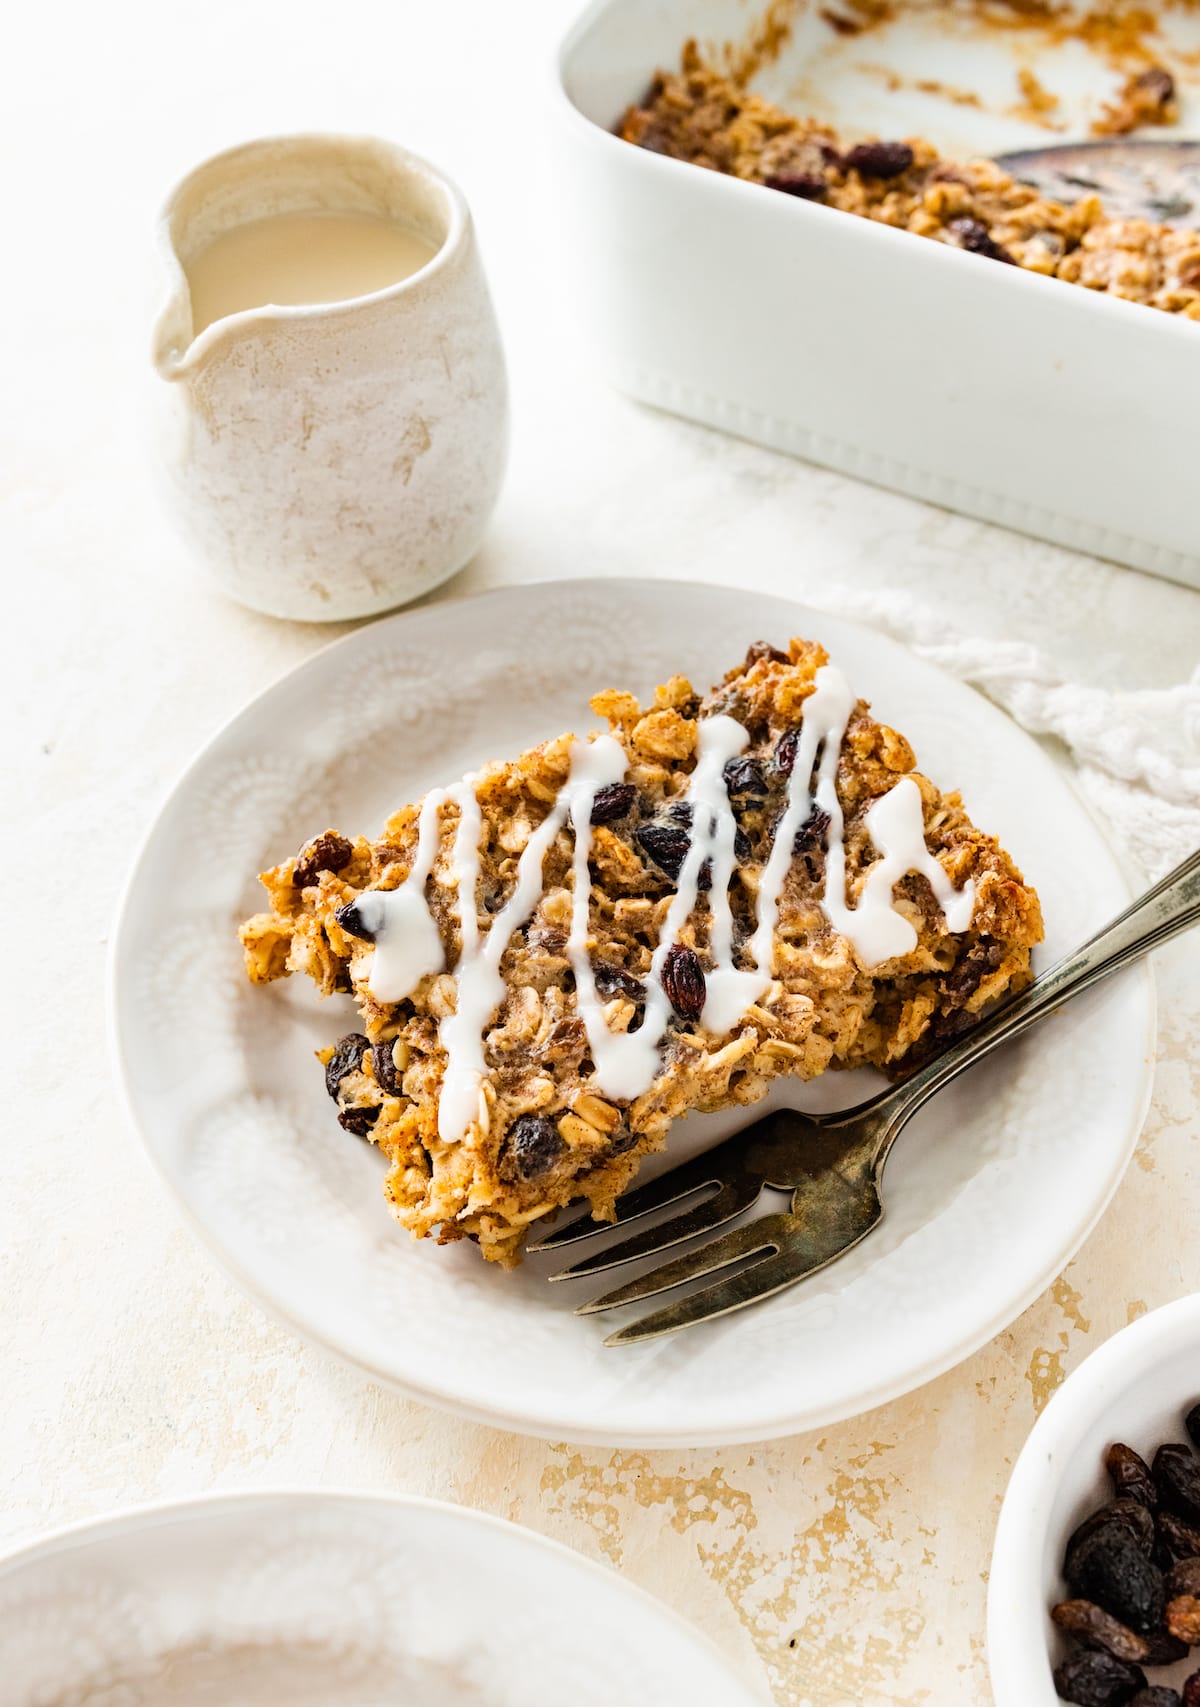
(1172, 906)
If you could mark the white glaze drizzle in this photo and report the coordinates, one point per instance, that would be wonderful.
(826, 714)
(480, 986)
(408, 946)
(627, 1063)
(461, 1033)
(896, 824)
(728, 992)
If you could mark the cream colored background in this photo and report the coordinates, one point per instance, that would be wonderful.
(848, 1567)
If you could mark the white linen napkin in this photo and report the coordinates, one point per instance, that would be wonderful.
(1136, 752)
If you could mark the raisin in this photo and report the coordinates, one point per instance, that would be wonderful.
(1183, 1619)
(1158, 84)
(741, 840)
(1177, 1473)
(760, 649)
(1110, 1568)
(1192, 1422)
(1177, 1539)
(953, 1023)
(567, 1037)
(547, 940)
(785, 752)
(1191, 1691)
(383, 1060)
(811, 835)
(613, 981)
(351, 922)
(612, 801)
(1165, 1649)
(1183, 1578)
(961, 983)
(666, 844)
(358, 1120)
(532, 1145)
(976, 239)
(347, 1056)
(1096, 1628)
(878, 159)
(1131, 1478)
(744, 776)
(327, 853)
(1096, 1679)
(1155, 1695)
(683, 982)
(1123, 1514)
(809, 186)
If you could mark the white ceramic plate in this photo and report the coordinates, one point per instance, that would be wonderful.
(336, 1600)
(988, 1195)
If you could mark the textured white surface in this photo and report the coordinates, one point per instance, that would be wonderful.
(847, 1566)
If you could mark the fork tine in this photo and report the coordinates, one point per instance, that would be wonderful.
(774, 1272)
(708, 1169)
(713, 1212)
(764, 1234)
(797, 1245)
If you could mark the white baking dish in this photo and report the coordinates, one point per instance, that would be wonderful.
(909, 363)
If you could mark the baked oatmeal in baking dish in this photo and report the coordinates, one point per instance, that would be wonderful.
(701, 115)
(558, 956)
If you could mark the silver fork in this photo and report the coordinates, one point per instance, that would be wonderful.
(831, 1163)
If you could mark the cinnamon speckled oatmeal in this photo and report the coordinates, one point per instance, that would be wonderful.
(525, 1041)
(702, 116)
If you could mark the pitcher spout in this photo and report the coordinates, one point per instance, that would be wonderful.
(171, 339)
(174, 331)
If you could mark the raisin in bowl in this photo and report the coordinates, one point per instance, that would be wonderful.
(1136, 1389)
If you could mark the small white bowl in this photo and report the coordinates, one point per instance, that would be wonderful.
(1135, 1388)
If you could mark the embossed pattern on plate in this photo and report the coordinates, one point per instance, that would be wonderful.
(335, 1600)
(989, 1195)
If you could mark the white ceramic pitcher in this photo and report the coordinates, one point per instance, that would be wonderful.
(335, 460)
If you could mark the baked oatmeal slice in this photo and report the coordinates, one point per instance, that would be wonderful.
(560, 956)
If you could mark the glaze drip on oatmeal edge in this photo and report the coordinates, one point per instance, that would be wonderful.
(408, 947)
(407, 944)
